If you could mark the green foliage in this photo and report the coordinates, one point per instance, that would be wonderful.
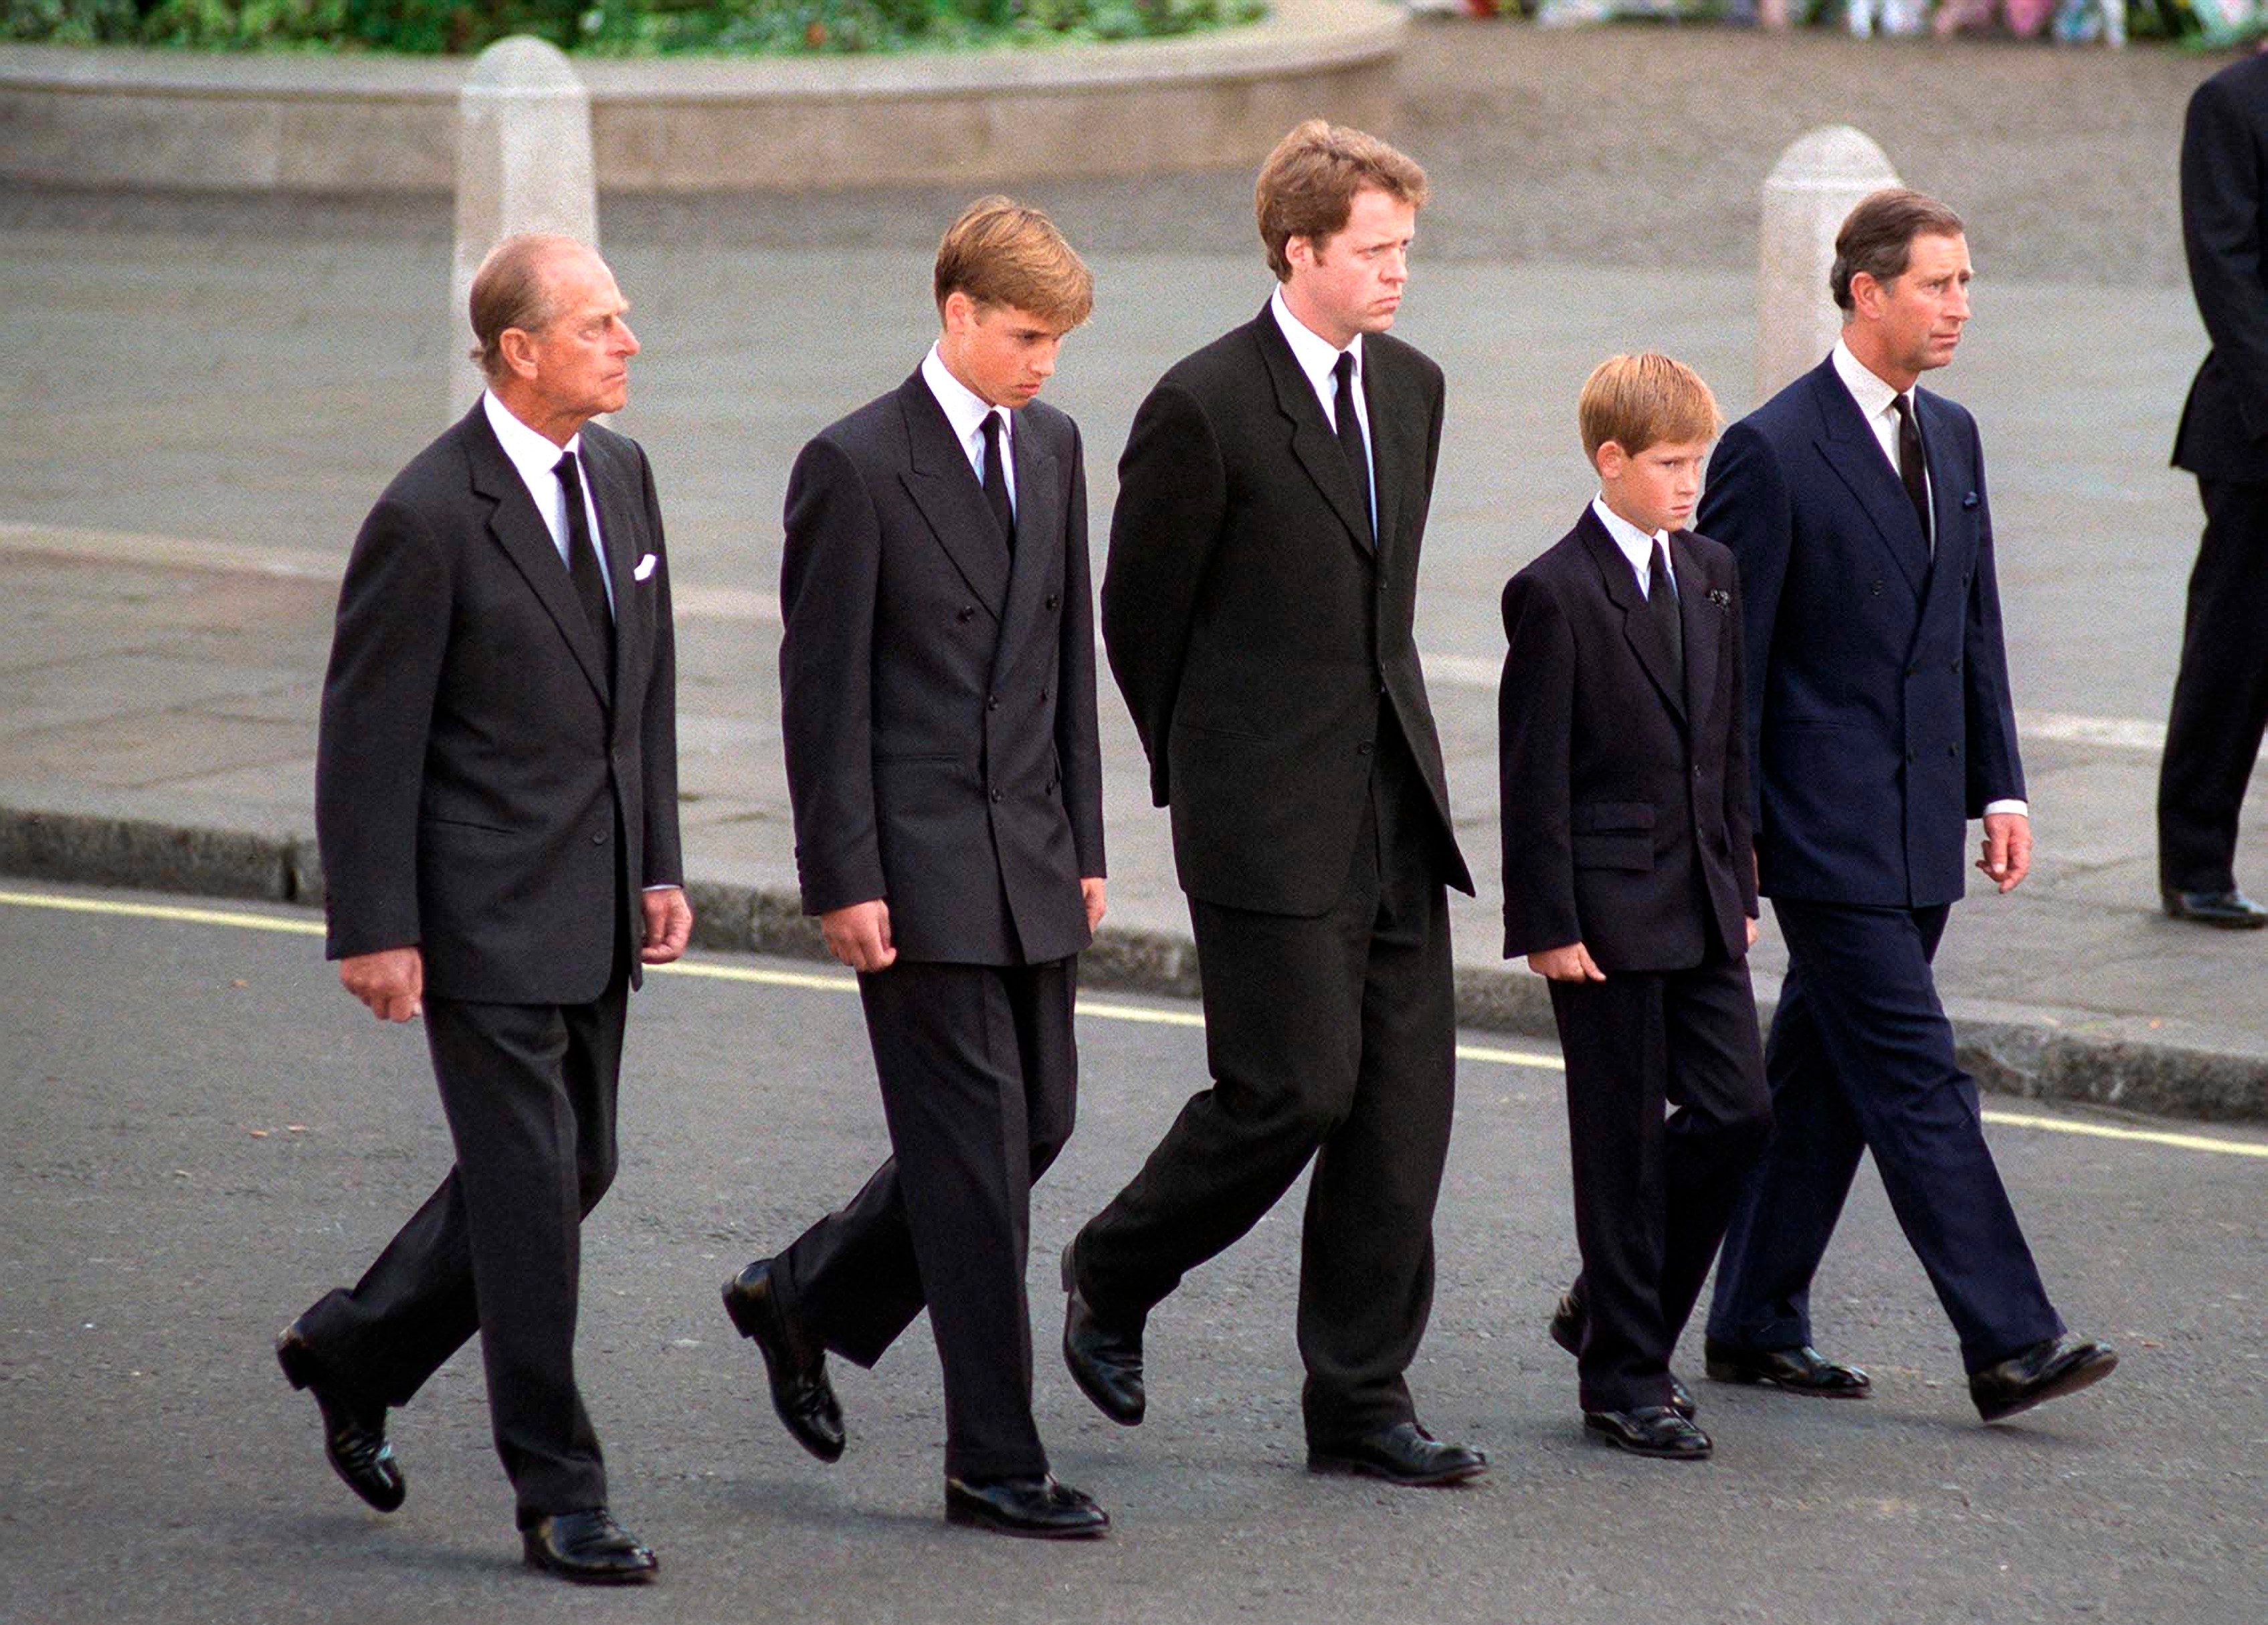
(610, 28)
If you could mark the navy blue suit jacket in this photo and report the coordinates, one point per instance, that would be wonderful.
(1878, 706)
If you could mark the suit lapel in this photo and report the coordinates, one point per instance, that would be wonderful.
(1621, 583)
(1312, 442)
(1703, 623)
(1953, 489)
(620, 537)
(944, 487)
(520, 530)
(1039, 532)
(1851, 450)
(1392, 453)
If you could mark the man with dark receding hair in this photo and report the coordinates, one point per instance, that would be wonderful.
(496, 798)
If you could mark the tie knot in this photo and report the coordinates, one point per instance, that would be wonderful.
(570, 473)
(1903, 405)
(1658, 574)
(1343, 370)
(992, 431)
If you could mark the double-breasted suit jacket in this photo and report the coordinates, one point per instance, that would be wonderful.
(1624, 784)
(479, 764)
(1878, 704)
(938, 701)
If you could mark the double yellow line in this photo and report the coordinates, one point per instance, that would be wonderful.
(1102, 1010)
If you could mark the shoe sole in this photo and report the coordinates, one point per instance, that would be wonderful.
(1343, 1466)
(586, 1576)
(1612, 1443)
(961, 1517)
(2071, 1382)
(744, 1324)
(1736, 1378)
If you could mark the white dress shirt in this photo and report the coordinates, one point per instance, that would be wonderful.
(1317, 356)
(537, 459)
(966, 410)
(1875, 400)
(1636, 545)
(1874, 397)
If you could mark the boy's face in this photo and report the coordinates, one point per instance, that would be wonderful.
(1655, 490)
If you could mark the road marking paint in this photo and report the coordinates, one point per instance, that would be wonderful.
(1104, 1009)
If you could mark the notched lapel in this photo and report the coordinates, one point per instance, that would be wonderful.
(1312, 442)
(623, 537)
(1392, 451)
(944, 487)
(1039, 539)
(1703, 623)
(1621, 583)
(520, 530)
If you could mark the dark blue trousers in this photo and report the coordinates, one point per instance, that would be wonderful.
(1860, 1058)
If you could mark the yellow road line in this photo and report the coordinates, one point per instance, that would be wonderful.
(1101, 1008)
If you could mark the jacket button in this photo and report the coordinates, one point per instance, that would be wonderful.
(598, 839)
(999, 796)
(968, 613)
(1363, 749)
(1875, 587)
(1913, 755)
(1697, 770)
(1952, 750)
(1044, 695)
(992, 701)
(1052, 600)
(1953, 666)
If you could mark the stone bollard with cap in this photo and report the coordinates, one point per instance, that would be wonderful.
(523, 165)
(1818, 180)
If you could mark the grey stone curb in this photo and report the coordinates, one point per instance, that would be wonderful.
(2038, 1058)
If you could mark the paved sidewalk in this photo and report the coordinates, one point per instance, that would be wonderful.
(222, 388)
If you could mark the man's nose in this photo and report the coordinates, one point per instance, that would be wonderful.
(630, 343)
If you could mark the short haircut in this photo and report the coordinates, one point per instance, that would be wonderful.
(1644, 400)
(1307, 186)
(510, 290)
(1000, 252)
(1877, 238)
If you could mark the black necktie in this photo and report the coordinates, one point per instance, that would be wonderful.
(1913, 468)
(583, 565)
(996, 483)
(1349, 428)
(1662, 606)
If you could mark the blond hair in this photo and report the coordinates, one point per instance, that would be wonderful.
(1306, 189)
(1000, 252)
(1641, 401)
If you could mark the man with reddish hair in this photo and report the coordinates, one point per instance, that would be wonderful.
(1257, 608)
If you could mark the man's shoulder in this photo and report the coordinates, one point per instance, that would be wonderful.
(864, 435)
(1049, 426)
(612, 445)
(1715, 556)
(2244, 80)
(441, 474)
(1398, 356)
(1233, 362)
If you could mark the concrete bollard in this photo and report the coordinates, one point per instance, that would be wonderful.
(1818, 180)
(523, 165)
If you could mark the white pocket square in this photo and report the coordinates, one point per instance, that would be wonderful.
(645, 568)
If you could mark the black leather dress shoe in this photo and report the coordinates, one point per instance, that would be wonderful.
(1801, 1370)
(1105, 1360)
(354, 1436)
(1568, 1322)
(1404, 1453)
(1038, 1509)
(589, 1547)
(2046, 1370)
(801, 1393)
(2232, 910)
(1654, 1431)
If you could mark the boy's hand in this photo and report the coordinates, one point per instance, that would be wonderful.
(1571, 963)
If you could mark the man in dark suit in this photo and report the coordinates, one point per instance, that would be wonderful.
(1627, 881)
(2221, 698)
(937, 680)
(1880, 721)
(1257, 608)
(496, 798)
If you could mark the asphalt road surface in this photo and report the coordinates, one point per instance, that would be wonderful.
(201, 1134)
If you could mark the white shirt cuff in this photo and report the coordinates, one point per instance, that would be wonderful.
(2021, 809)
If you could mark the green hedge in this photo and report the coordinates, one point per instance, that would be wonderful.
(609, 27)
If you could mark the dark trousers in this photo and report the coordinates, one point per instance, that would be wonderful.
(529, 1094)
(2221, 698)
(1334, 1039)
(1653, 1194)
(1861, 1059)
(979, 1076)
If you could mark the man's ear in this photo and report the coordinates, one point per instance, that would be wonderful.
(960, 312)
(1611, 460)
(1867, 294)
(518, 349)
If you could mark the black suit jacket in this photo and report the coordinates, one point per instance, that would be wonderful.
(1259, 638)
(1626, 791)
(472, 781)
(938, 705)
(1879, 714)
(2224, 428)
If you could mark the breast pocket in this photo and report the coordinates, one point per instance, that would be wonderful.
(1613, 834)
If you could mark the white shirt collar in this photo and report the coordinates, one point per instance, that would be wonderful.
(964, 408)
(1873, 395)
(1635, 544)
(1316, 354)
(532, 453)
